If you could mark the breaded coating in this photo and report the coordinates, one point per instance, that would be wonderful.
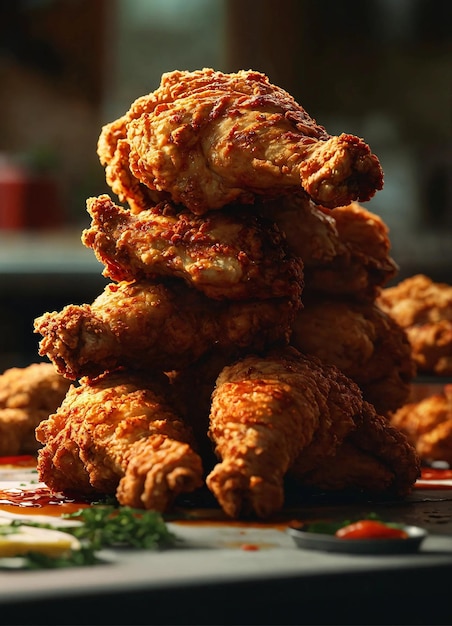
(375, 458)
(424, 309)
(28, 395)
(428, 425)
(290, 414)
(119, 435)
(156, 326)
(114, 149)
(225, 254)
(266, 412)
(345, 251)
(209, 139)
(364, 342)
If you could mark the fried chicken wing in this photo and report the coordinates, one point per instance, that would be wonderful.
(28, 395)
(424, 309)
(119, 435)
(428, 425)
(163, 326)
(209, 139)
(267, 411)
(345, 251)
(232, 254)
(364, 342)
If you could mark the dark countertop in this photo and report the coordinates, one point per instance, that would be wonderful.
(210, 584)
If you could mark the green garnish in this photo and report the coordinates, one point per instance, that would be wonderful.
(101, 526)
(109, 526)
(325, 528)
(86, 555)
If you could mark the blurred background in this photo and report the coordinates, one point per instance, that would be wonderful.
(380, 69)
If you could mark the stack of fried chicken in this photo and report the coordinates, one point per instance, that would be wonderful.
(239, 342)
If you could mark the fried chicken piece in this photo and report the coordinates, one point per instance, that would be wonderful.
(424, 309)
(375, 458)
(428, 425)
(287, 413)
(345, 251)
(119, 435)
(364, 342)
(28, 395)
(209, 139)
(113, 149)
(232, 254)
(266, 412)
(163, 326)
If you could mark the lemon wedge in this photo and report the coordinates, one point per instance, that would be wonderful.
(23, 539)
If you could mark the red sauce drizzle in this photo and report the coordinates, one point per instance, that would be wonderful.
(29, 500)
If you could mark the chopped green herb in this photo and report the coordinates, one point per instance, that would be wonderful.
(101, 526)
(109, 526)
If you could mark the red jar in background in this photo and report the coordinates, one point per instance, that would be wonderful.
(28, 200)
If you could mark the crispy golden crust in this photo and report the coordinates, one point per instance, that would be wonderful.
(364, 342)
(28, 395)
(113, 149)
(375, 458)
(424, 309)
(345, 251)
(288, 413)
(228, 181)
(119, 435)
(265, 412)
(157, 326)
(428, 425)
(209, 139)
(232, 254)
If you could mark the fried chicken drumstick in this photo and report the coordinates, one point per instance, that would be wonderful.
(119, 435)
(264, 412)
(287, 412)
(156, 326)
(232, 254)
(208, 139)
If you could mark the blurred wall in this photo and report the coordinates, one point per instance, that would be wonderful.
(52, 72)
(380, 69)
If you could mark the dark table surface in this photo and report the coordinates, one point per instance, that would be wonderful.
(211, 581)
